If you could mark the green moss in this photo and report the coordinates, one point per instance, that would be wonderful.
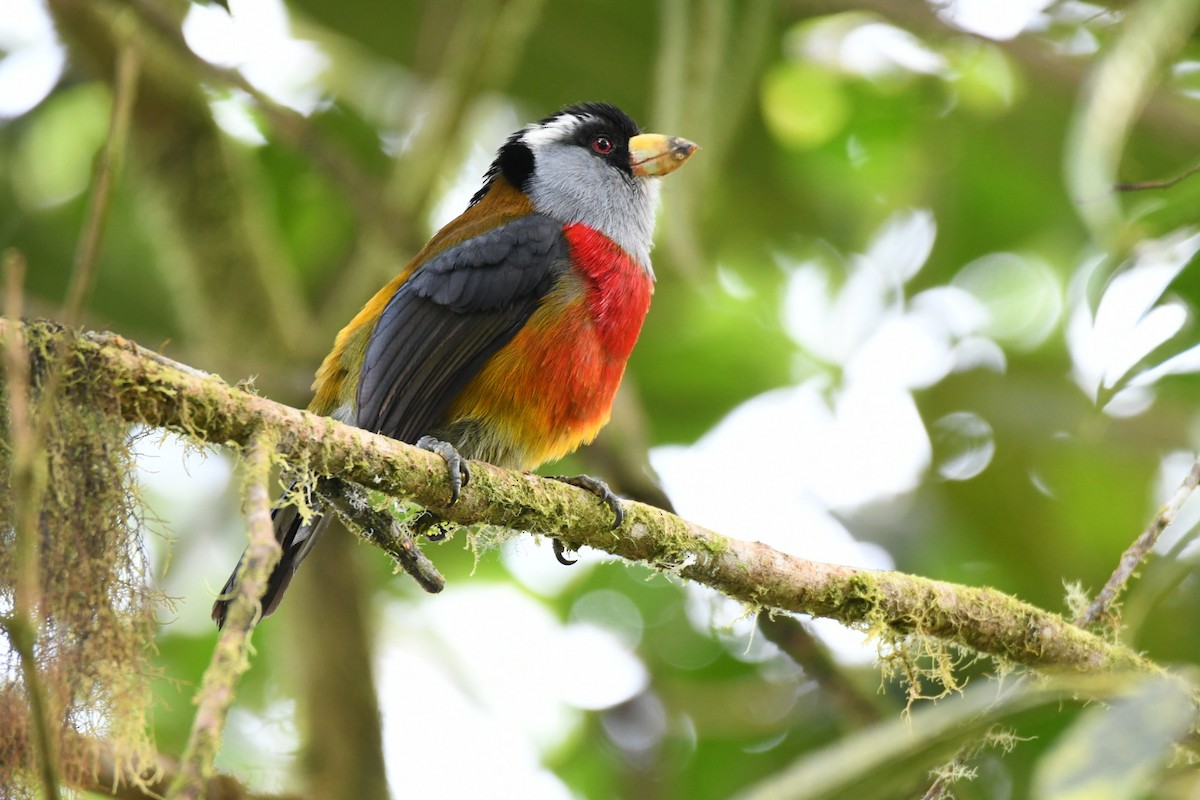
(862, 599)
(93, 649)
(677, 546)
(909, 651)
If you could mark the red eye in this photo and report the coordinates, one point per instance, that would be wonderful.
(602, 145)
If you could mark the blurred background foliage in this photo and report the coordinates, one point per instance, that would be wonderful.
(902, 320)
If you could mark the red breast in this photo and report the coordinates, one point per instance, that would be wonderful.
(551, 388)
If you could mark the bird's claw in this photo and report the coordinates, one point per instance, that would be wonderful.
(460, 471)
(601, 490)
(560, 552)
(598, 488)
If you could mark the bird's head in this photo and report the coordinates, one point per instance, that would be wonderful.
(589, 163)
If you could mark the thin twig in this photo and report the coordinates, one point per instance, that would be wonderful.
(229, 659)
(27, 478)
(1162, 578)
(937, 789)
(352, 505)
(1165, 183)
(26, 487)
(1141, 546)
(956, 768)
(108, 167)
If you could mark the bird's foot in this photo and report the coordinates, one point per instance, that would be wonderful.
(460, 471)
(601, 490)
(598, 488)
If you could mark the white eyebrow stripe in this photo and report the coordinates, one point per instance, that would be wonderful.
(558, 129)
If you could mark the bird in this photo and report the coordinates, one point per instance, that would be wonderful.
(504, 339)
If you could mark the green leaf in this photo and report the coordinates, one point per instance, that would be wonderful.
(883, 761)
(1116, 752)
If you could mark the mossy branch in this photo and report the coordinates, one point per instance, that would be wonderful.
(117, 376)
(229, 659)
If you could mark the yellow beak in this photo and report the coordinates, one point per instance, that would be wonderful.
(655, 154)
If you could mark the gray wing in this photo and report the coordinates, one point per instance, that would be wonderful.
(444, 323)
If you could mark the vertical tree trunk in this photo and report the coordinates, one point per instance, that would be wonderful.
(343, 742)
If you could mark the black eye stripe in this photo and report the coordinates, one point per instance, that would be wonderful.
(594, 131)
(589, 133)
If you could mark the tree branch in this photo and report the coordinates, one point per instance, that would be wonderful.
(117, 376)
(229, 659)
(1137, 552)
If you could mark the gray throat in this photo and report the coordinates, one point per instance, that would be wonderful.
(569, 185)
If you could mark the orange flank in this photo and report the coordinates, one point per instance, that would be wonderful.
(551, 388)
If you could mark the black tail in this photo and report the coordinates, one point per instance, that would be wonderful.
(297, 539)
